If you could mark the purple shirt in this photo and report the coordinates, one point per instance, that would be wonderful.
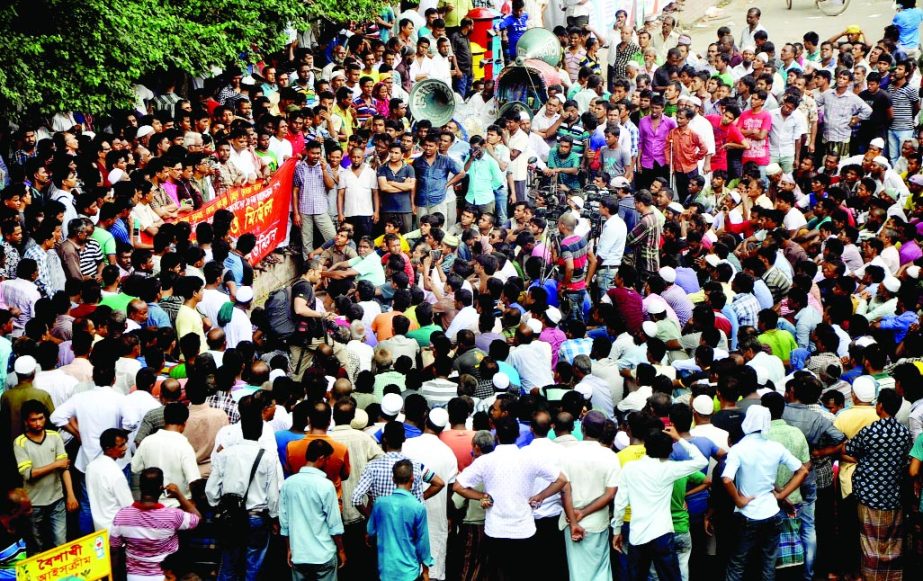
(910, 251)
(653, 143)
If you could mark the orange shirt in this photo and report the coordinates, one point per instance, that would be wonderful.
(337, 468)
(688, 149)
(383, 325)
(460, 442)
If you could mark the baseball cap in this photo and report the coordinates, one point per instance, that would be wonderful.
(620, 182)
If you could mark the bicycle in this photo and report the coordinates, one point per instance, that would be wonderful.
(828, 7)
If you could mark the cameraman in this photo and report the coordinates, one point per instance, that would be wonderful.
(574, 259)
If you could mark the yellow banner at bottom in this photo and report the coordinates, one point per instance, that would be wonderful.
(84, 559)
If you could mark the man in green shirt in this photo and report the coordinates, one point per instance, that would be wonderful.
(564, 163)
(424, 312)
(366, 266)
(484, 178)
(12, 399)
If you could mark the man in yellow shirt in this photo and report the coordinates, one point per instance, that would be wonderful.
(452, 11)
(851, 421)
(188, 319)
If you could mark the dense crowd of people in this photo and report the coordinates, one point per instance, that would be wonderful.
(666, 325)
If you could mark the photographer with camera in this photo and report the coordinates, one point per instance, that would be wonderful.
(572, 255)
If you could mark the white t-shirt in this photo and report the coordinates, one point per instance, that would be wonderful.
(357, 200)
(794, 219)
(519, 166)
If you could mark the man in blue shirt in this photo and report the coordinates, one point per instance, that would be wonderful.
(432, 173)
(908, 20)
(398, 523)
(515, 26)
(309, 518)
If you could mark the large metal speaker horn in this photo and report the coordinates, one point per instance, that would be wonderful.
(539, 43)
(433, 100)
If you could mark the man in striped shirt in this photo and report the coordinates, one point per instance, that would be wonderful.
(147, 530)
(905, 104)
(573, 258)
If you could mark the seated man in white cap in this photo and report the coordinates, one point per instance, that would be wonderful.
(236, 320)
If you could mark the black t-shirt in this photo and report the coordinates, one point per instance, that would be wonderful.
(730, 421)
(880, 102)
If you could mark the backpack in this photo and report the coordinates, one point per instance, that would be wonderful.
(231, 517)
(280, 314)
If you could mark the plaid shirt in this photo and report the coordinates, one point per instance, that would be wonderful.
(378, 480)
(223, 401)
(819, 362)
(747, 309)
(573, 347)
(21, 157)
(644, 238)
(312, 193)
(816, 423)
(838, 110)
(36, 253)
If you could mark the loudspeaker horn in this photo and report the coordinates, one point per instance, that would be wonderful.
(433, 100)
(539, 43)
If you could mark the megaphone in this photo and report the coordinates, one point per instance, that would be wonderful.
(538, 43)
(516, 106)
(433, 100)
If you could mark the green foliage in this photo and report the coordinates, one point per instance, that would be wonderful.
(85, 55)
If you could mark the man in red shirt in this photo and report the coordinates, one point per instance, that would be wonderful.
(729, 141)
(629, 311)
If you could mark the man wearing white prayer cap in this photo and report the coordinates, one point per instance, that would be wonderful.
(750, 479)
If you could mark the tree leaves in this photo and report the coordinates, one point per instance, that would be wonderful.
(86, 55)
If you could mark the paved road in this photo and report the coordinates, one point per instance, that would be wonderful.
(789, 25)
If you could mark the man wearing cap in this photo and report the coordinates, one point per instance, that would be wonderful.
(750, 477)
(644, 238)
(12, 399)
(428, 450)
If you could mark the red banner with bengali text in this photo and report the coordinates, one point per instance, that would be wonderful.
(261, 209)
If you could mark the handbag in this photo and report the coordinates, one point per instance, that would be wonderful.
(231, 517)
